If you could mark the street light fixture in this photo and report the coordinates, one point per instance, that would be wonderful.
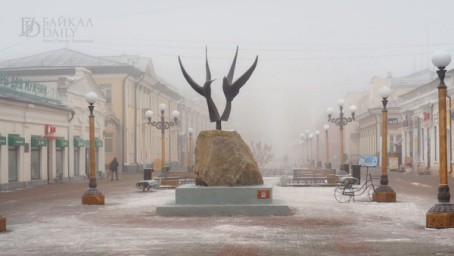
(384, 193)
(190, 131)
(92, 195)
(162, 125)
(441, 215)
(305, 138)
(327, 164)
(317, 154)
(341, 121)
(311, 137)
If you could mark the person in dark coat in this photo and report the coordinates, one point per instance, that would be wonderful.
(114, 169)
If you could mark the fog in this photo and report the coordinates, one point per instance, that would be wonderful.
(310, 52)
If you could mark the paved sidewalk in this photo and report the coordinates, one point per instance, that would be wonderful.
(50, 220)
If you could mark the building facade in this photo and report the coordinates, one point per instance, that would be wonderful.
(127, 87)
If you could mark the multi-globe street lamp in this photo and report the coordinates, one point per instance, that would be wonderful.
(341, 121)
(317, 152)
(441, 215)
(162, 125)
(190, 157)
(384, 193)
(327, 164)
(92, 195)
(311, 154)
(305, 138)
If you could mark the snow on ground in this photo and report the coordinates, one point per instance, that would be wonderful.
(127, 225)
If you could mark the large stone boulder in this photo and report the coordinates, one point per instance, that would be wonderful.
(223, 159)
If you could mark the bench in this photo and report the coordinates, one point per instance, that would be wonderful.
(313, 177)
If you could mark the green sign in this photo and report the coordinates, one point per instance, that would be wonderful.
(61, 143)
(15, 140)
(23, 85)
(2, 140)
(38, 141)
(98, 143)
(78, 142)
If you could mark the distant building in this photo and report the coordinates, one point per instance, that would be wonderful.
(127, 87)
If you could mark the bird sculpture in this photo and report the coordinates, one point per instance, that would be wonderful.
(230, 88)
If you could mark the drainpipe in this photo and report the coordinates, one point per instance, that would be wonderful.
(136, 136)
(123, 125)
(72, 112)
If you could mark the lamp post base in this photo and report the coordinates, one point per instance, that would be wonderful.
(93, 196)
(2, 224)
(384, 194)
(441, 215)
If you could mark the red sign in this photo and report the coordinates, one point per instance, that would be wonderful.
(263, 194)
(50, 129)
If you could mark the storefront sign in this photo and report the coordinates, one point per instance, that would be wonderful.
(78, 142)
(392, 121)
(61, 143)
(23, 85)
(38, 141)
(2, 140)
(15, 140)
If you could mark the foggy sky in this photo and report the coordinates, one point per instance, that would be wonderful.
(310, 52)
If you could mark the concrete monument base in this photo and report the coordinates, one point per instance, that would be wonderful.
(192, 200)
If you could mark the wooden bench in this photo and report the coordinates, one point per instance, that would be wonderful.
(313, 177)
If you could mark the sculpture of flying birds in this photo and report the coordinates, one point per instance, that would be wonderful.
(230, 88)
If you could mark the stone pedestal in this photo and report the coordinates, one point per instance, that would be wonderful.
(2, 224)
(192, 200)
(384, 194)
(93, 197)
(440, 216)
(223, 159)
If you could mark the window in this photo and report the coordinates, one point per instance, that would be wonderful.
(107, 91)
(108, 142)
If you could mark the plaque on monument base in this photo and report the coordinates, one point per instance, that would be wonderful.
(192, 200)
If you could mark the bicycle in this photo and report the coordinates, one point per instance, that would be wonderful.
(345, 191)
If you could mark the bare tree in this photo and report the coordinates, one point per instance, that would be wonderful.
(262, 154)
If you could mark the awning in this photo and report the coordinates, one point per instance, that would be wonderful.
(61, 142)
(78, 142)
(98, 142)
(38, 141)
(2, 140)
(15, 140)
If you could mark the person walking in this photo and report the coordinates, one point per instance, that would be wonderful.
(114, 169)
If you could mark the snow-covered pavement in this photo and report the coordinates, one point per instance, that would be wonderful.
(127, 225)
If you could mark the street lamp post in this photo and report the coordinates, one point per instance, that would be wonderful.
(92, 195)
(441, 215)
(311, 158)
(317, 152)
(190, 131)
(384, 193)
(327, 164)
(162, 125)
(341, 121)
